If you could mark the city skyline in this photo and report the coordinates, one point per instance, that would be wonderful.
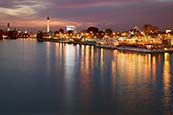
(115, 14)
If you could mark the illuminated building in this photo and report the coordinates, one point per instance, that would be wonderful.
(70, 28)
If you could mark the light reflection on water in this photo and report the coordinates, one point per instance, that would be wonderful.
(166, 84)
(61, 78)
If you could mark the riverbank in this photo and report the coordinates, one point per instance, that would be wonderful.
(125, 48)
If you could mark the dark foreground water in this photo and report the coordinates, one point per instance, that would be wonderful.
(61, 79)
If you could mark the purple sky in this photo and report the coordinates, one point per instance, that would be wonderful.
(115, 14)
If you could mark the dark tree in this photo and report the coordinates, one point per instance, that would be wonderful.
(56, 32)
(1, 34)
(61, 31)
(70, 32)
(101, 34)
(40, 35)
(108, 32)
(94, 30)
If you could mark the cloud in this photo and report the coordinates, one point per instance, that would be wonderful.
(83, 13)
(22, 7)
(20, 10)
(94, 3)
(164, 0)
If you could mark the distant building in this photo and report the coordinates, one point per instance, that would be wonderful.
(169, 36)
(150, 29)
(70, 28)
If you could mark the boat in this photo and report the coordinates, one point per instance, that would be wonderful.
(141, 48)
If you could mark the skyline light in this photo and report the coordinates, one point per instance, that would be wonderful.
(115, 14)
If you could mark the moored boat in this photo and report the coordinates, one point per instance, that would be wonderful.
(141, 48)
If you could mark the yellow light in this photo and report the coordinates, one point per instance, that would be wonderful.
(166, 49)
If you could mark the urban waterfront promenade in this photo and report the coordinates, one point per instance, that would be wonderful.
(86, 57)
(150, 40)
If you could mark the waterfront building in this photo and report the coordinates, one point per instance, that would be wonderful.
(23, 35)
(171, 35)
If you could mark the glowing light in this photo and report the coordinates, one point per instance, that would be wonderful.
(168, 31)
(26, 32)
(166, 81)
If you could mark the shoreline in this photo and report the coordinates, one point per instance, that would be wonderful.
(119, 48)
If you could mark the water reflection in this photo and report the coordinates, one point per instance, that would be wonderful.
(114, 72)
(130, 76)
(86, 71)
(141, 66)
(166, 84)
(48, 57)
(80, 79)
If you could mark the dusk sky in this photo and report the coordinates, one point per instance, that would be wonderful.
(115, 14)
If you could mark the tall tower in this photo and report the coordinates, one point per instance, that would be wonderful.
(8, 27)
(48, 24)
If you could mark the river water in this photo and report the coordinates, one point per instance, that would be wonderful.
(51, 78)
